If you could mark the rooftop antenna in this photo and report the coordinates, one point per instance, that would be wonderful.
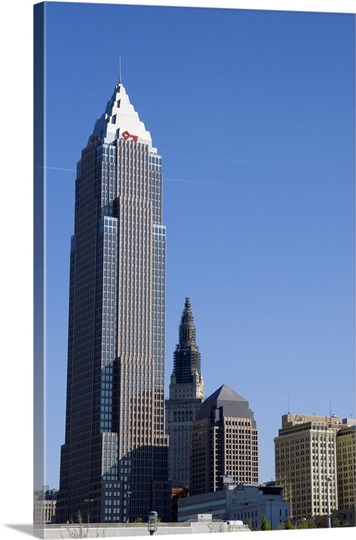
(119, 69)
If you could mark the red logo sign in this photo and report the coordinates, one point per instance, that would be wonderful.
(126, 135)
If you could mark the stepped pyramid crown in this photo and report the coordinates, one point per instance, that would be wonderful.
(228, 401)
(120, 120)
(222, 394)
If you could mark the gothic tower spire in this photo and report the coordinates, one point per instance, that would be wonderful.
(186, 393)
(187, 362)
(187, 326)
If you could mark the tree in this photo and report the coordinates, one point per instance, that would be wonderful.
(288, 524)
(311, 523)
(81, 531)
(250, 526)
(265, 524)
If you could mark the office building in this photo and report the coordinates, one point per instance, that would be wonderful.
(186, 393)
(224, 443)
(43, 511)
(346, 466)
(306, 466)
(44, 506)
(114, 458)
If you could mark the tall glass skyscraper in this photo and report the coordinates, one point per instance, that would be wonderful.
(114, 459)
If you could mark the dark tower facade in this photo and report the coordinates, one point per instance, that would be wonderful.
(186, 393)
(114, 458)
(224, 443)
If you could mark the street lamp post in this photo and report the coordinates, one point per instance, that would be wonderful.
(88, 501)
(328, 482)
(299, 521)
(152, 522)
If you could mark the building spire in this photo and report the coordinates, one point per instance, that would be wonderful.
(187, 355)
(187, 331)
(186, 393)
(120, 79)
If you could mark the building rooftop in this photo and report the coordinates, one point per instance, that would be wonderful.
(120, 120)
(227, 399)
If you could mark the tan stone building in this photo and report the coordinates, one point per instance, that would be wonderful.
(306, 463)
(346, 470)
(43, 511)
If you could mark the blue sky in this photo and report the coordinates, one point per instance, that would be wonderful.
(253, 113)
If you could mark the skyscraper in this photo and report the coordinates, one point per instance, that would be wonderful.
(114, 459)
(186, 393)
(224, 443)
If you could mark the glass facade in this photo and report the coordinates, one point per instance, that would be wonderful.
(114, 460)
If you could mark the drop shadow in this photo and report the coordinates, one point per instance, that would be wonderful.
(25, 529)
